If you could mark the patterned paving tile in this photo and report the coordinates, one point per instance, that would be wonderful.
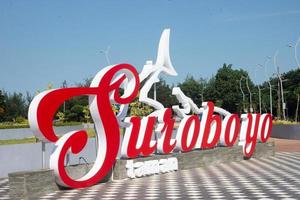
(4, 189)
(266, 178)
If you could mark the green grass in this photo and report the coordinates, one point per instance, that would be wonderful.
(19, 141)
(285, 122)
(11, 125)
(90, 132)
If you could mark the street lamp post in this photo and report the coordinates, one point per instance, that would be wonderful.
(281, 85)
(259, 98)
(298, 64)
(269, 83)
(203, 87)
(250, 94)
(154, 91)
(296, 52)
(105, 52)
(259, 90)
(243, 94)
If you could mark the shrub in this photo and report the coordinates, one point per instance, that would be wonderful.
(21, 120)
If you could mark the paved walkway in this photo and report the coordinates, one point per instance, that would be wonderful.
(267, 178)
(286, 145)
(4, 189)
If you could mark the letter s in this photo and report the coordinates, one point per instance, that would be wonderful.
(104, 90)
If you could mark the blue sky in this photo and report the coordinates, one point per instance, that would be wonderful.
(45, 42)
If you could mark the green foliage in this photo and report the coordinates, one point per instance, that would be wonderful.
(210, 92)
(2, 106)
(60, 116)
(86, 113)
(21, 120)
(163, 93)
(75, 113)
(290, 87)
(11, 125)
(115, 108)
(277, 122)
(297, 90)
(222, 89)
(15, 106)
(19, 141)
(193, 89)
(67, 123)
(139, 109)
(227, 88)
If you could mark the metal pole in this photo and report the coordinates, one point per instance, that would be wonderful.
(244, 109)
(108, 62)
(259, 91)
(278, 101)
(271, 106)
(250, 94)
(155, 91)
(259, 99)
(296, 116)
(278, 87)
(202, 98)
(296, 54)
(270, 86)
(282, 98)
(281, 85)
(154, 95)
(43, 155)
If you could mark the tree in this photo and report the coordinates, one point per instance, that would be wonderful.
(75, 113)
(86, 112)
(210, 93)
(60, 116)
(163, 93)
(137, 108)
(2, 106)
(15, 106)
(193, 89)
(227, 88)
(291, 82)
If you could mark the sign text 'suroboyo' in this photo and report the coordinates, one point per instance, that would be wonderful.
(205, 128)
